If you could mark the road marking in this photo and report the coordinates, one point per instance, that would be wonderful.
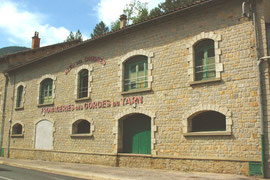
(5, 178)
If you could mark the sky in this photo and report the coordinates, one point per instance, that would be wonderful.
(54, 19)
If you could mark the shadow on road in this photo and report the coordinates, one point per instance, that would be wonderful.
(2, 169)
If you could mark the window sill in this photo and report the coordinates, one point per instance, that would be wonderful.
(205, 81)
(81, 135)
(19, 108)
(16, 135)
(136, 91)
(82, 99)
(45, 104)
(208, 133)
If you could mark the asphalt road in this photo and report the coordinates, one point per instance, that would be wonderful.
(14, 173)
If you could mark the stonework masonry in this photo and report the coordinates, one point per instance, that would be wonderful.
(169, 101)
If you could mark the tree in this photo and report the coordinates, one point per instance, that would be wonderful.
(170, 5)
(136, 11)
(115, 25)
(71, 37)
(100, 29)
(155, 12)
(78, 35)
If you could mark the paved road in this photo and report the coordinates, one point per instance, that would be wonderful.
(14, 173)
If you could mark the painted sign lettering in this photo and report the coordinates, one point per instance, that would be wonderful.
(86, 59)
(94, 105)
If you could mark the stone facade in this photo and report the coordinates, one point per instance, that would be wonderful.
(171, 98)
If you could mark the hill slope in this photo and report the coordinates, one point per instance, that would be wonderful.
(11, 49)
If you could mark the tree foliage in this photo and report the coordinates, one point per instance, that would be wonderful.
(170, 5)
(115, 25)
(136, 11)
(72, 37)
(100, 29)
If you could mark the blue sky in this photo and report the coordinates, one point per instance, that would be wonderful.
(54, 19)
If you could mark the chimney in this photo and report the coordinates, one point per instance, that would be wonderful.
(123, 21)
(35, 41)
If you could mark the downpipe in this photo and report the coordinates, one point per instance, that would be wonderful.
(3, 116)
(259, 62)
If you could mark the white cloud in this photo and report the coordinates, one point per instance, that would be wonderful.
(20, 25)
(110, 10)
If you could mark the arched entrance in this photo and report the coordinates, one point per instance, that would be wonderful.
(136, 134)
(44, 135)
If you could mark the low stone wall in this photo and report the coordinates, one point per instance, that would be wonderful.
(60, 156)
(136, 161)
(187, 165)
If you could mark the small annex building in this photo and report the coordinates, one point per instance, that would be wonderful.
(187, 90)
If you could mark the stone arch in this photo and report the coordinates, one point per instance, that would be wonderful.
(198, 109)
(131, 54)
(128, 112)
(204, 35)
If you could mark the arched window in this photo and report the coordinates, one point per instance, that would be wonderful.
(135, 73)
(17, 129)
(46, 91)
(208, 121)
(205, 60)
(19, 100)
(83, 83)
(81, 127)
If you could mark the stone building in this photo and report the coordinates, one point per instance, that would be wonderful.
(181, 91)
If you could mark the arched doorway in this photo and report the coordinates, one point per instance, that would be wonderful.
(44, 135)
(136, 134)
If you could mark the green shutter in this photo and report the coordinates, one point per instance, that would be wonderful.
(205, 60)
(137, 135)
(46, 91)
(135, 73)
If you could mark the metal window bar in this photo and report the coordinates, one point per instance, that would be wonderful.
(137, 80)
(83, 92)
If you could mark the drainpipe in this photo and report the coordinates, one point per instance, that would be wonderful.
(3, 115)
(259, 60)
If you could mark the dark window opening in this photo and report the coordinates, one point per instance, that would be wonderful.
(17, 129)
(205, 67)
(268, 38)
(83, 84)
(81, 127)
(136, 73)
(208, 121)
(46, 91)
(19, 96)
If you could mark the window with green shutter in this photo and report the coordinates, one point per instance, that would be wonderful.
(46, 91)
(83, 84)
(205, 60)
(19, 96)
(136, 74)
